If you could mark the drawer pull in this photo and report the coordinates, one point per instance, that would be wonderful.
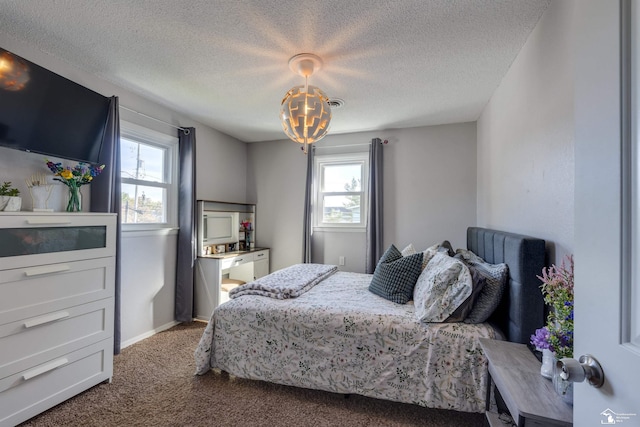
(238, 260)
(46, 269)
(259, 255)
(46, 319)
(47, 221)
(45, 368)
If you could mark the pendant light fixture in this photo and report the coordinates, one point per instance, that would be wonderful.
(305, 110)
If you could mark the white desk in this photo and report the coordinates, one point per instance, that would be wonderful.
(210, 269)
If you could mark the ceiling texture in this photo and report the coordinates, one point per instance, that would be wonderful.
(224, 63)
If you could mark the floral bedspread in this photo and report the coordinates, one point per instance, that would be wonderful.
(341, 338)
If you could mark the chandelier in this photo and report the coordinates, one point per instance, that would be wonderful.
(305, 110)
(14, 72)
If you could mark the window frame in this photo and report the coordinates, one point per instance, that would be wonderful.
(169, 143)
(321, 161)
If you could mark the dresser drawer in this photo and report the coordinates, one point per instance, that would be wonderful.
(31, 391)
(236, 261)
(32, 239)
(29, 342)
(31, 291)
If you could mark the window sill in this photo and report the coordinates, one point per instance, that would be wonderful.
(339, 229)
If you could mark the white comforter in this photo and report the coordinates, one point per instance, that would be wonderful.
(340, 337)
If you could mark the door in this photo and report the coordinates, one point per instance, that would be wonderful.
(607, 255)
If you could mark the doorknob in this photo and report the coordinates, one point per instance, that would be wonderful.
(577, 371)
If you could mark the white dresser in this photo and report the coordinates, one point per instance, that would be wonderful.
(57, 274)
(211, 269)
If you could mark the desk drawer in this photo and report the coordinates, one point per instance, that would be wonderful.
(236, 261)
(29, 392)
(32, 291)
(29, 342)
(260, 255)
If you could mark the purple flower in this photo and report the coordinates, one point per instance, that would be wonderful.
(541, 339)
(564, 340)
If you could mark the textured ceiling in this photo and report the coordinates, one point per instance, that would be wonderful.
(395, 63)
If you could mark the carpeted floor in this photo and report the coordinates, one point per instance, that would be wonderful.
(153, 385)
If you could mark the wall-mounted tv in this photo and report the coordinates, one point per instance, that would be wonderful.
(43, 112)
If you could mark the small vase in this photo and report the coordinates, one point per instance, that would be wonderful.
(10, 203)
(74, 203)
(548, 360)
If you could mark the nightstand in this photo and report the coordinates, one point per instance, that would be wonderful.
(529, 396)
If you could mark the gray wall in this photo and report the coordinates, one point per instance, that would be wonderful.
(429, 193)
(516, 174)
(526, 139)
(148, 258)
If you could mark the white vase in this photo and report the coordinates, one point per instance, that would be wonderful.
(548, 360)
(40, 197)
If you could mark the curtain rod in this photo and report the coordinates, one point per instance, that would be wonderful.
(186, 131)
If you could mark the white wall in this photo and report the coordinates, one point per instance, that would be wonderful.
(526, 139)
(429, 192)
(148, 259)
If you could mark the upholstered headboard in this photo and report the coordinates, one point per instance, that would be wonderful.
(521, 311)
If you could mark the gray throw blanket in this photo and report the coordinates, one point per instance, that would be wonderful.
(289, 282)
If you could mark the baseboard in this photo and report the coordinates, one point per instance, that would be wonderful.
(148, 334)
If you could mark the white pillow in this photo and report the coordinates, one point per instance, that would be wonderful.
(409, 250)
(441, 288)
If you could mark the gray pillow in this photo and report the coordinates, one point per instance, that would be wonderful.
(395, 275)
(495, 275)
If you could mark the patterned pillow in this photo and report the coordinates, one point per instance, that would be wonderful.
(395, 275)
(441, 288)
(496, 276)
(446, 247)
(464, 309)
(432, 250)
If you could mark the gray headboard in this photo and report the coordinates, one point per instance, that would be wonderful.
(521, 311)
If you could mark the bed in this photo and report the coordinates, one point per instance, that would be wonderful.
(339, 337)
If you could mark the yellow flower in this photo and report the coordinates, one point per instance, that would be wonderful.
(66, 174)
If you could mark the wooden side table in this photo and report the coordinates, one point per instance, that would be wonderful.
(529, 396)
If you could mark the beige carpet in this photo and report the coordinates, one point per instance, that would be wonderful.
(153, 385)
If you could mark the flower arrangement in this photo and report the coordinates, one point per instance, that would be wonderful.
(81, 174)
(557, 288)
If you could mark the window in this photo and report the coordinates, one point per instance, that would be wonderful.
(341, 198)
(148, 178)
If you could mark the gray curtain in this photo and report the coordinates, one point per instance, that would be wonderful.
(375, 217)
(308, 200)
(187, 223)
(105, 195)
